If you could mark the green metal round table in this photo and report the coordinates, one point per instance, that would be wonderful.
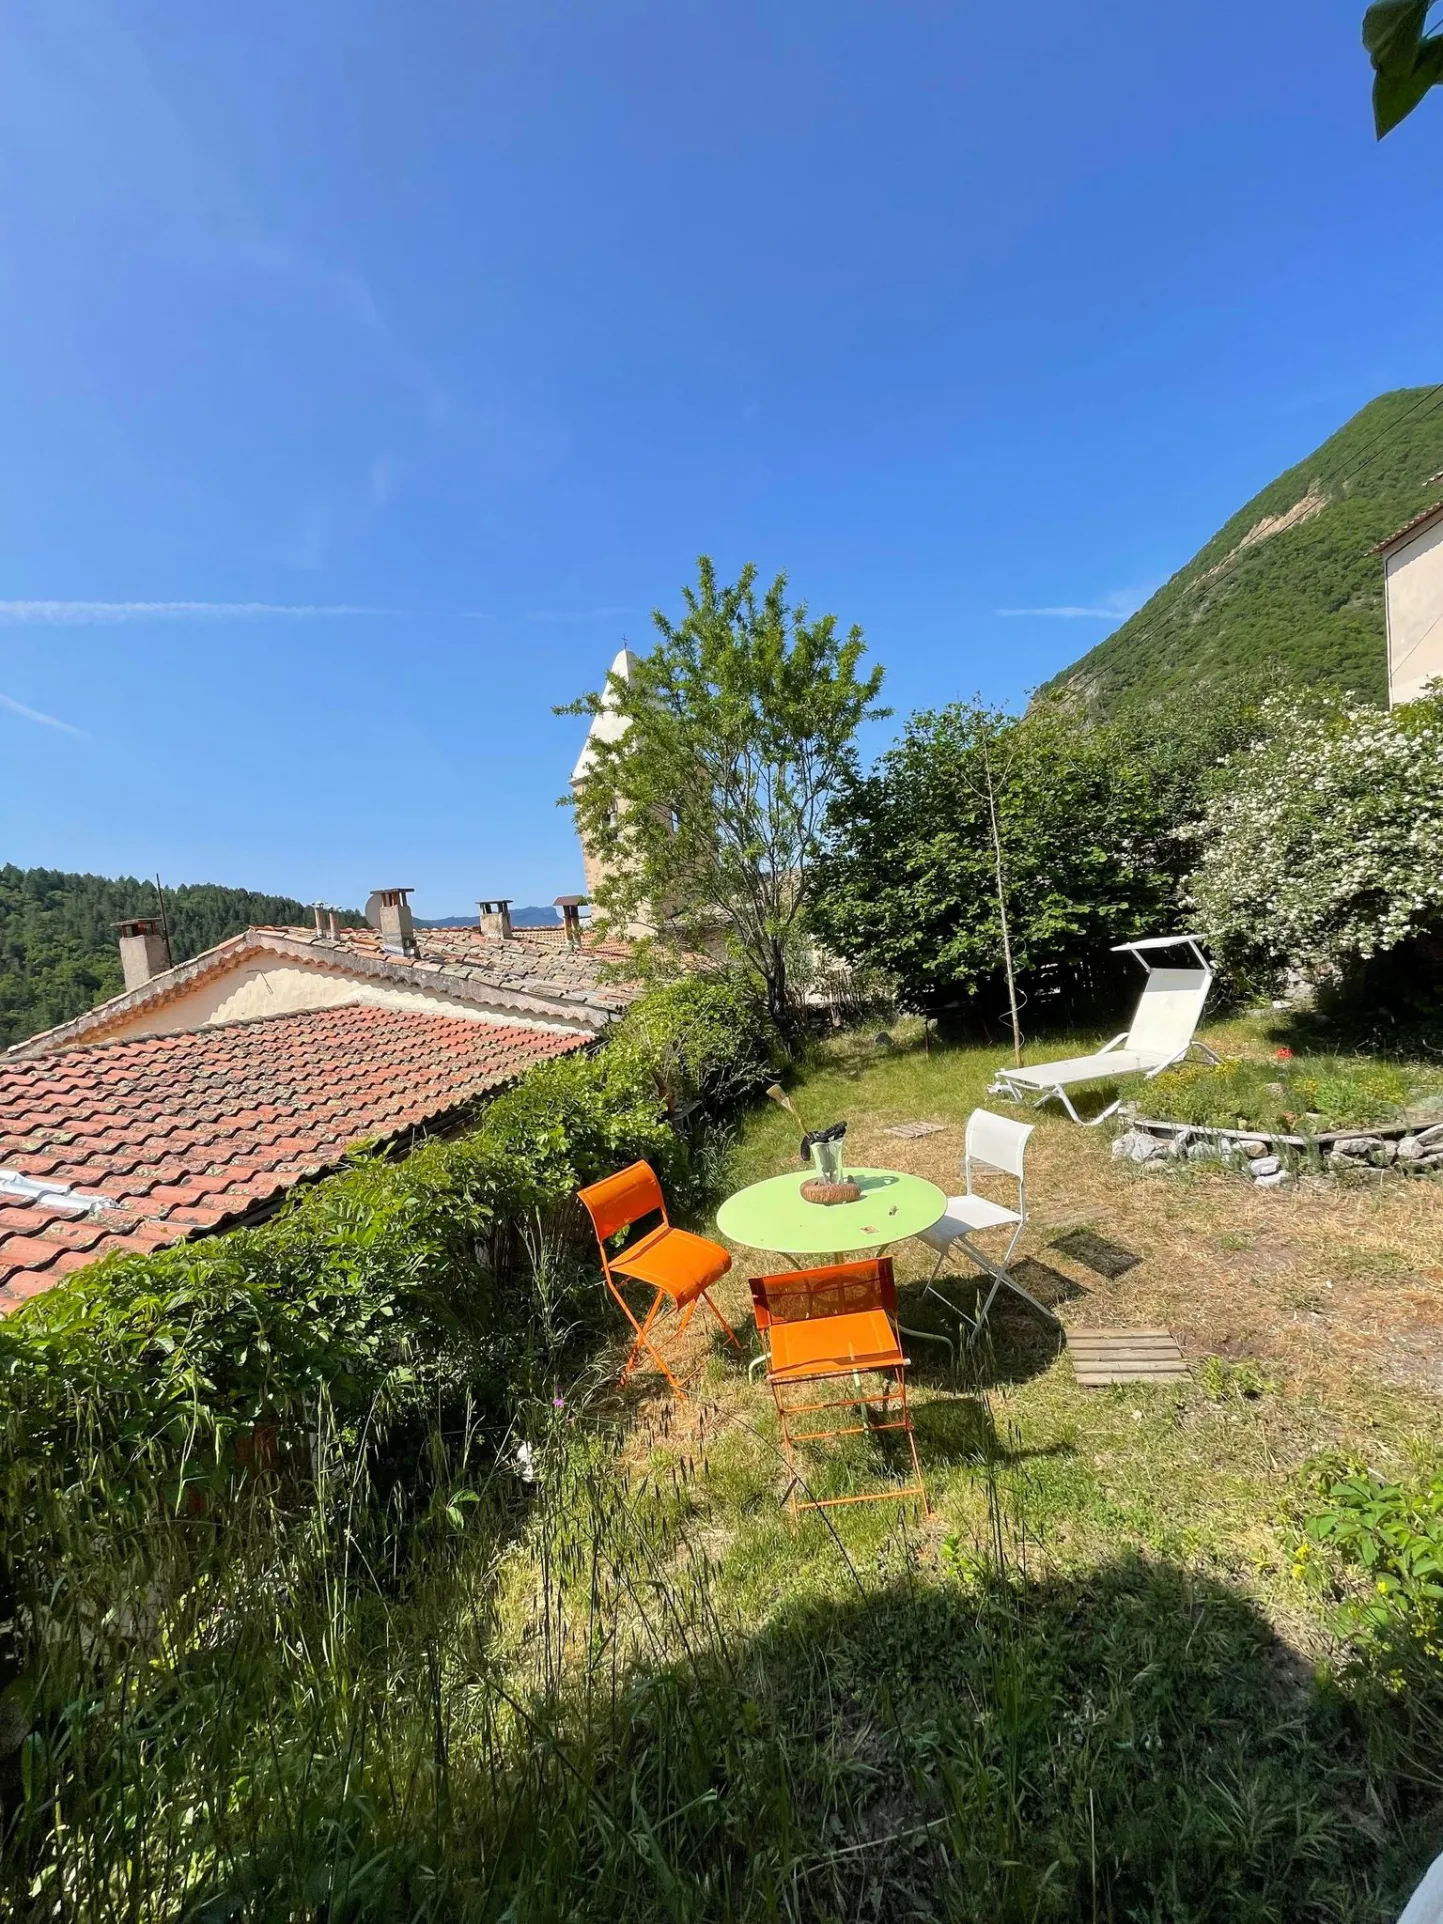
(775, 1215)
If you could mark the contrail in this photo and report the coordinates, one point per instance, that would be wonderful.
(46, 721)
(83, 614)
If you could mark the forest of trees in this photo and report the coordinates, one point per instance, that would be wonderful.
(1304, 605)
(58, 950)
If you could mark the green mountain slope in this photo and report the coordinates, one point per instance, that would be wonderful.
(1287, 590)
(58, 952)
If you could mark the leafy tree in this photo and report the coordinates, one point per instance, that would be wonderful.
(1324, 850)
(1085, 851)
(1407, 59)
(707, 803)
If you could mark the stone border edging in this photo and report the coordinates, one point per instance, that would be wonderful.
(1415, 1148)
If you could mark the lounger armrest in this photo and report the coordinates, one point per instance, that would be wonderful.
(1114, 1042)
(1171, 1062)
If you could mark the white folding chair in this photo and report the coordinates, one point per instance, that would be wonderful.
(996, 1143)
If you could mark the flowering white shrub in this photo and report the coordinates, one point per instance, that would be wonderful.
(1324, 844)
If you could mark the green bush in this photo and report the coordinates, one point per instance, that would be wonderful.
(1393, 1534)
(280, 1434)
(1086, 834)
(1380, 1545)
(1323, 848)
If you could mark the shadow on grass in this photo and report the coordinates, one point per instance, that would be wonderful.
(1014, 1346)
(1097, 1253)
(1389, 1007)
(1129, 1745)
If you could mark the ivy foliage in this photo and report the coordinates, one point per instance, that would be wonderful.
(1088, 820)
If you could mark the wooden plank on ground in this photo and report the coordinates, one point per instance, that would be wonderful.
(1102, 1356)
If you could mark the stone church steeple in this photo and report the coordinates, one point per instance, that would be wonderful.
(608, 726)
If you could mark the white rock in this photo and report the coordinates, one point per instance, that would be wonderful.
(1137, 1146)
(1259, 1166)
(1273, 1181)
(1432, 1138)
(1354, 1146)
(1410, 1149)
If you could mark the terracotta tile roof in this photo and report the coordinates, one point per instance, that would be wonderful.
(534, 976)
(132, 1145)
(1415, 526)
(537, 959)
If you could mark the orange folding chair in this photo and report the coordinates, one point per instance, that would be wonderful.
(680, 1267)
(818, 1326)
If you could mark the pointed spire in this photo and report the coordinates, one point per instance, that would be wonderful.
(607, 726)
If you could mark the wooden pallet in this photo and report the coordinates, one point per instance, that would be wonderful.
(1102, 1356)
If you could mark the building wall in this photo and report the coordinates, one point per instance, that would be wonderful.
(258, 987)
(1414, 575)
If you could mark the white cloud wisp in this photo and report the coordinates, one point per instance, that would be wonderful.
(1116, 605)
(89, 614)
(13, 707)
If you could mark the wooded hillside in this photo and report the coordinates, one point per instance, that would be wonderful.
(1287, 590)
(58, 952)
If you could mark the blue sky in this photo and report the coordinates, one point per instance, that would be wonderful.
(368, 372)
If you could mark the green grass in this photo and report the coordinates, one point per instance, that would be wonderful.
(1094, 1684)
(1295, 1095)
(591, 1707)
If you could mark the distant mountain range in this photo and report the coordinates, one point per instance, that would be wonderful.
(532, 918)
(1287, 591)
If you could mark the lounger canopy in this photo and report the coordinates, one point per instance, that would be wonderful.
(1163, 1031)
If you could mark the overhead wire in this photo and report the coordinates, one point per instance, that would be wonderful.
(1412, 650)
(1431, 400)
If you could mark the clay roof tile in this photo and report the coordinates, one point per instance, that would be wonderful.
(186, 1131)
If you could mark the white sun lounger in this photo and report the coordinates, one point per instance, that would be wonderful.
(1162, 1033)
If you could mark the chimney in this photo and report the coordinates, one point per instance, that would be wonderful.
(144, 949)
(331, 924)
(318, 908)
(496, 918)
(398, 931)
(571, 907)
